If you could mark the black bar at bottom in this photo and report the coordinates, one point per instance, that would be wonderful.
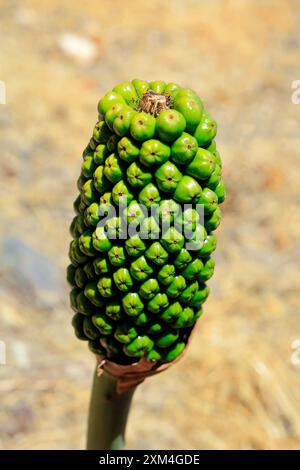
(135, 459)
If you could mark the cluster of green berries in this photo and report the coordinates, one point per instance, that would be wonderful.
(139, 295)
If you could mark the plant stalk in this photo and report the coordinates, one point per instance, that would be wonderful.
(108, 414)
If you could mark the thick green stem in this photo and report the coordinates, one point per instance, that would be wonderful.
(107, 414)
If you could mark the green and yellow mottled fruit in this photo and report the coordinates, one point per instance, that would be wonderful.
(142, 237)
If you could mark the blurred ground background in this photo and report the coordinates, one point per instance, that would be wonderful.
(237, 387)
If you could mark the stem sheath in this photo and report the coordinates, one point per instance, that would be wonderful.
(108, 414)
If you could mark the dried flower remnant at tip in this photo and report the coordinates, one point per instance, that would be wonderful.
(154, 103)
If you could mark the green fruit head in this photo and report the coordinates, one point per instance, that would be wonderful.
(150, 189)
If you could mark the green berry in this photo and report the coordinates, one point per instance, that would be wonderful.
(166, 339)
(209, 246)
(106, 287)
(183, 92)
(117, 255)
(168, 210)
(71, 270)
(89, 270)
(208, 270)
(171, 313)
(142, 126)
(188, 220)
(122, 194)
(157, 254)
(77, 323)
(212, 147)
(182, 259)
(209, 200)
(92, 293)
(140, 269)
(154, 355)
(103, 324)
(218, 158)
(221, 192)
(115, 229)
(202, 166)
(80, 277)
(170, 124)
(127, 91)
(100, 240)
(166, 274)
(157, 86)
(100, 181)
(172, 89)
(88, 192)
(73, 298)
(200, 296)
(123, 280)
(213, 222)
(167, 177)
(184, 149)
(172, 240)
(91, 214)
(191, 109)
(101, 265)
(189, 292)
(106, 204)
(156, 328)
(158, 303)
(127, 149)
(76, 205)
(149, 195)
(188, 190)
(80, 181)
(125, 332)
(214, 179)
(139, 347)
(140, 86)
(134, 212)
(73, 228)
(93, 144)
(149, 288)
(88, 166)
(174, 352)
(135, 246)
(101, 134)
(132, 304)
(114, 310)
(84, 306)
(142, 319)
(122, 122)
(192, 270)
(86, 243)
(195, 242)
(112, 113)
(112, 143)
(138, 176)
(75, 254)
(108, 100)
(149, 229)
(113, 168)
(153, 152)
(206, 130)
(100, 154)
(176, 287)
